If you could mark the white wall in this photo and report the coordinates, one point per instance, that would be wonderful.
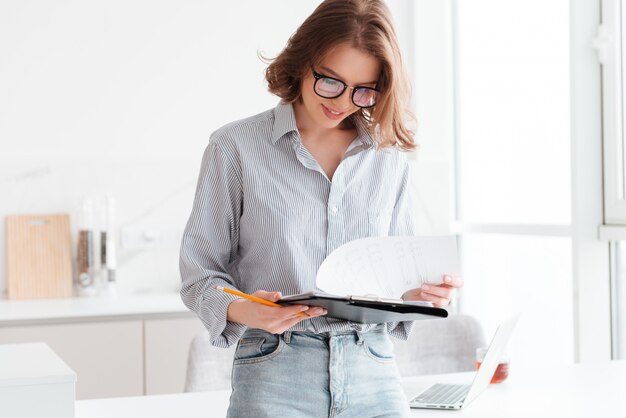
(119, 97)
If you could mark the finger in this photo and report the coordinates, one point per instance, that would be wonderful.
(280, 313)
(271, 296)
(290, 322)
(437, 301)
(292, 311)
(440, 291)
(452, 281)
(314, 311)
(412, 294)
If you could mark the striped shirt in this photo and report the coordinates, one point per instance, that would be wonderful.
(265, 216)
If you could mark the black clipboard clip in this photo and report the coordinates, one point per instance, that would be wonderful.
(374, 298)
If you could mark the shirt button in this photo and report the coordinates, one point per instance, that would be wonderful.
(334, 209)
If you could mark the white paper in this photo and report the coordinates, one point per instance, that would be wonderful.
(388, 266)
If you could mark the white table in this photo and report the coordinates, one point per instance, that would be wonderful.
(588, 390)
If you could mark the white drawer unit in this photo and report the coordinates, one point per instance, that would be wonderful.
(127, 346)
(35, 382)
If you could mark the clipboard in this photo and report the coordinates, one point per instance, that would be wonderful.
(366, 309)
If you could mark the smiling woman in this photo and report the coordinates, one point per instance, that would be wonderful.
(329, 29)
(279, 191)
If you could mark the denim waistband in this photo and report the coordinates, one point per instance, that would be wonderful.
(327, 334)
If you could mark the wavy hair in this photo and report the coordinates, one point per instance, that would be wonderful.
(367, 26)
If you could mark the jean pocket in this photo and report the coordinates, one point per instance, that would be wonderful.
(257, 349)
(378, 346)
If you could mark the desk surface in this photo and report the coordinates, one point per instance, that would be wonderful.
(587, 390)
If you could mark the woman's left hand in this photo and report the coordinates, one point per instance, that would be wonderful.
(439, 295)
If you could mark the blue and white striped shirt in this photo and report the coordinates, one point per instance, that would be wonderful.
(265, 216)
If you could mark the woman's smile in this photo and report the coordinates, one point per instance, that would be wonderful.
(332, 114)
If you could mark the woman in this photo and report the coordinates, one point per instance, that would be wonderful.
(280, 191)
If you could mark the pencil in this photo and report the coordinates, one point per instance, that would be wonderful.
(252, 298)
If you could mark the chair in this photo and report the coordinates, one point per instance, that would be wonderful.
(434, 346)
(208, 367)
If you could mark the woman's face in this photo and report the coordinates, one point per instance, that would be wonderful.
(345, 63)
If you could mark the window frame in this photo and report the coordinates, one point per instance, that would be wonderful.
(608, 44)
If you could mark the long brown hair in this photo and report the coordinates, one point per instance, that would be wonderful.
(365, 25)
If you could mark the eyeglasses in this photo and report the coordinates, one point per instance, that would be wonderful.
(331, 88)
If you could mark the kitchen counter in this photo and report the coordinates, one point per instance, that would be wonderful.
(89, 309)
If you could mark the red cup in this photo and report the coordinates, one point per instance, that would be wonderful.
(502, 371)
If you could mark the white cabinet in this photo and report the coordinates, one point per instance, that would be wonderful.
(106, 356)
(129, 346)
(35, 382)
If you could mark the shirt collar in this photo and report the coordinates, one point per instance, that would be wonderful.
(285, 122)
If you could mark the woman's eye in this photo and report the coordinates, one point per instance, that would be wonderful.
(332, 85)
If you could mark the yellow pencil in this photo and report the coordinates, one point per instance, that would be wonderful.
(252, 298)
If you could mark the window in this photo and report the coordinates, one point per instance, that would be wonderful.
(514, 171)
(526, 118)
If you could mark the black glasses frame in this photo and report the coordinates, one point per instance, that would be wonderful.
(319, 76)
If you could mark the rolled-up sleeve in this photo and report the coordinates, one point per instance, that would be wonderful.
(403, 224)
(210, 242)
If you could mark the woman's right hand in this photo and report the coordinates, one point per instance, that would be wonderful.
(271, 319)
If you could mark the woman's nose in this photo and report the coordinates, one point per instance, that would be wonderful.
(343, 103)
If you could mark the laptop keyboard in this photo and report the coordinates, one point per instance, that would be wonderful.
(443, 394)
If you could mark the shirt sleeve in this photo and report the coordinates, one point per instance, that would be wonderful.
(209, 244)
(403, 224)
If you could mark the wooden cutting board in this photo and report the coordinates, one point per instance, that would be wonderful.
(39, 257)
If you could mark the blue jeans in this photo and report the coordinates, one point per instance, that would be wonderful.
(302, 374)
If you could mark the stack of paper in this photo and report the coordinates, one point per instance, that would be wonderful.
(388, 266)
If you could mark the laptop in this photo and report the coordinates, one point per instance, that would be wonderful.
(458, 396)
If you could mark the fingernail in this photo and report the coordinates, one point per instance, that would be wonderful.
(279, 295)
(425, 287)
(447, 279)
